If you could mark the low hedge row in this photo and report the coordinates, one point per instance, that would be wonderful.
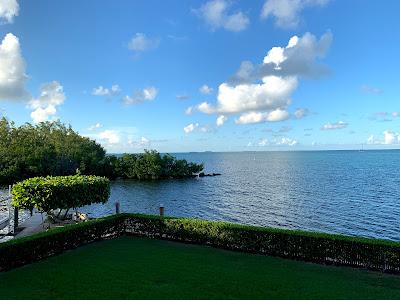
(378, 255)
(21, 251)
(63, 192)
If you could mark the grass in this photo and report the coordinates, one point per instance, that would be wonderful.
(130, 267)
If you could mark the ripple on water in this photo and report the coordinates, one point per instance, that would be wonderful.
(348, 192)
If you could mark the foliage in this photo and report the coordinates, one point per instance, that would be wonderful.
(18, 252)
(60, 192)
(379, 255)
(53, 149)
(153, 165)
(46, 149)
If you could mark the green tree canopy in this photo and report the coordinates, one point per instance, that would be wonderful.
(54, 149)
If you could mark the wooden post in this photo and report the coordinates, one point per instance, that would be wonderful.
(117, 207)
(15, 219)
(161, 210)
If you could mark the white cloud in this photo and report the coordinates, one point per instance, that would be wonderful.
(147, 94)
(287, 12)
(205, 89)
(110, 136)
(215, 14)
(189, 128)
(301, 113)
(189, 110)
(95, 126)
(107, 92)
(371, 139)
(144, 141)
(258, 117)
(284, 141)
(300, 58)
(8, 10)
(287, 142)
(389, 138)
(12, 70)
(333, 126)
(263, 93)
(274, 92)
(221, 120)
(141, 43)
(45, 106)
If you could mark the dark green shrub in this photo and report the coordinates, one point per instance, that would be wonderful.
(373, 254)
(60, 192)
(21, 251)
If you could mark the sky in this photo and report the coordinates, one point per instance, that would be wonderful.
(218, 75)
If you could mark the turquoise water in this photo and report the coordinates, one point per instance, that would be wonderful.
(347, 192)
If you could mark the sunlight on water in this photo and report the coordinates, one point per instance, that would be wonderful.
(348, 192)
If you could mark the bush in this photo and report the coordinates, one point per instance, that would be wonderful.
(151, 165)
(374, 254)
(60, 192)
(21, 251)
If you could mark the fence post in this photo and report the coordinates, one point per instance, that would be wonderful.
(117, 207)
(15, 219)
(161, 210)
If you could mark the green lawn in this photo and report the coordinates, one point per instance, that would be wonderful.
(129, 267)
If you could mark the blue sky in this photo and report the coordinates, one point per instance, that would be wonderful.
(181, 76)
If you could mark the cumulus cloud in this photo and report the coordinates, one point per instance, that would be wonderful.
(388, 138)
(216, 14)
(301, 113)
(8, 10)
(287, 142)
(284, 141)
(107, 92)
(273, 93)
(45, 106)
(300, 57)
(262, 93)
(205, 89)
(110, 136)
(258, 117)
(141, 43)
(147, 94)
(287, 12)
(190, 128)
(95, 126)
(221, 120)
(333, 126)
(12, 70)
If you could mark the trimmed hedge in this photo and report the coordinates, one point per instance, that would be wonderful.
(373, 254)
(21, 251)
(63, 192)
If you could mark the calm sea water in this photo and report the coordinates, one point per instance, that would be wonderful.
(347, 192)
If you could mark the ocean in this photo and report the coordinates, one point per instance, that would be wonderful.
(347, 192)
